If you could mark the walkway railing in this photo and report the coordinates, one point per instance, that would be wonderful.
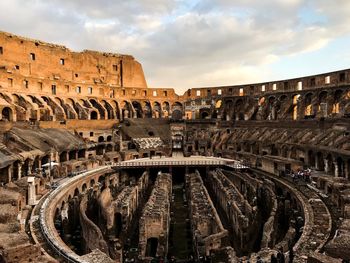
(46, 222)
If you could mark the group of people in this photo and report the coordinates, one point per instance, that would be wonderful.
(301, 174)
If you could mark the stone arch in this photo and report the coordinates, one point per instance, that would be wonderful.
(7, 114)
(101, 110)
(76, 192)
(127, 111)
(68, 109)
(320, 161)
(238, 110)
(340, 167)
(311, 158)
(115, 104)
(157, 110)
(93, 115)
(109, 110)
(308, 106)
(337, 98)
(101, 138)
(329, 165)
(204, 114)
(147, 109)
(138, 109)
(166, 109)
(177, 111)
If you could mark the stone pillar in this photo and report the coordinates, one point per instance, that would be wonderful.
(317, 163)
(326, 167)
(30, 165)
(346, 170)
(336, 169)
(31, 191)
(19, 175)
(9, 172)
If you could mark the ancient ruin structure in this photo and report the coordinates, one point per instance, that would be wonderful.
(95, 166)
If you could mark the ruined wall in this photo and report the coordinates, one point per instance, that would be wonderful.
(91, 233)
(209, 233)
(155, 219)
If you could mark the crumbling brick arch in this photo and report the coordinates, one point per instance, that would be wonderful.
(138, 109)
(126, 109)
(238, 112)
(177, 110)
(99, 108)
(109, 110)
(68, 108)
(116, 108)
(7, 114)
(147, 109)
(323, 105)
(166, 109)
(157, 110)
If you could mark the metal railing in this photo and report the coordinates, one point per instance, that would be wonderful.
(50, 234)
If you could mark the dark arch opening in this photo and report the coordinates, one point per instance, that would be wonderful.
(6, 114)
(151, 248)
(118, 224)
(93, 115)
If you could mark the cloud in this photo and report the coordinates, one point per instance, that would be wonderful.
(185, 44)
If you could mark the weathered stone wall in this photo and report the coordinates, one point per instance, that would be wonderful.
(155, 219)
(209, 233)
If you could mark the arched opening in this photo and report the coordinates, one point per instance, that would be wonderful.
(157, 110)
(311, 158)
(63, 157)
(138, 109)
(99, 150)
(81, 153)
(118, 224)
(7, 114)
(308, 112)
(336, 102)
(329, 164)
(109, 138)
(151, 248)
(93, 115)
(101, 139)
(109, 148)
(340, 167)
(76, 192)
(72, 155)
(147, 110)
(204, 115)
(322, 104)
(319, 162)
(84, 187)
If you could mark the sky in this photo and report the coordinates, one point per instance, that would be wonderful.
(185, 44)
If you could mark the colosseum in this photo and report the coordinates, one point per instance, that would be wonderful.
(97, 167)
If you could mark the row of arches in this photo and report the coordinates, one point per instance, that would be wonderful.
(45, 108)
(324, 161)
(306, 105)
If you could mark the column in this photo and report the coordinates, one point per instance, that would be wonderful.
(317, 163)
(336, 169)
(19, 175)
(9, 172)
(326, 167)
(346, 170)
